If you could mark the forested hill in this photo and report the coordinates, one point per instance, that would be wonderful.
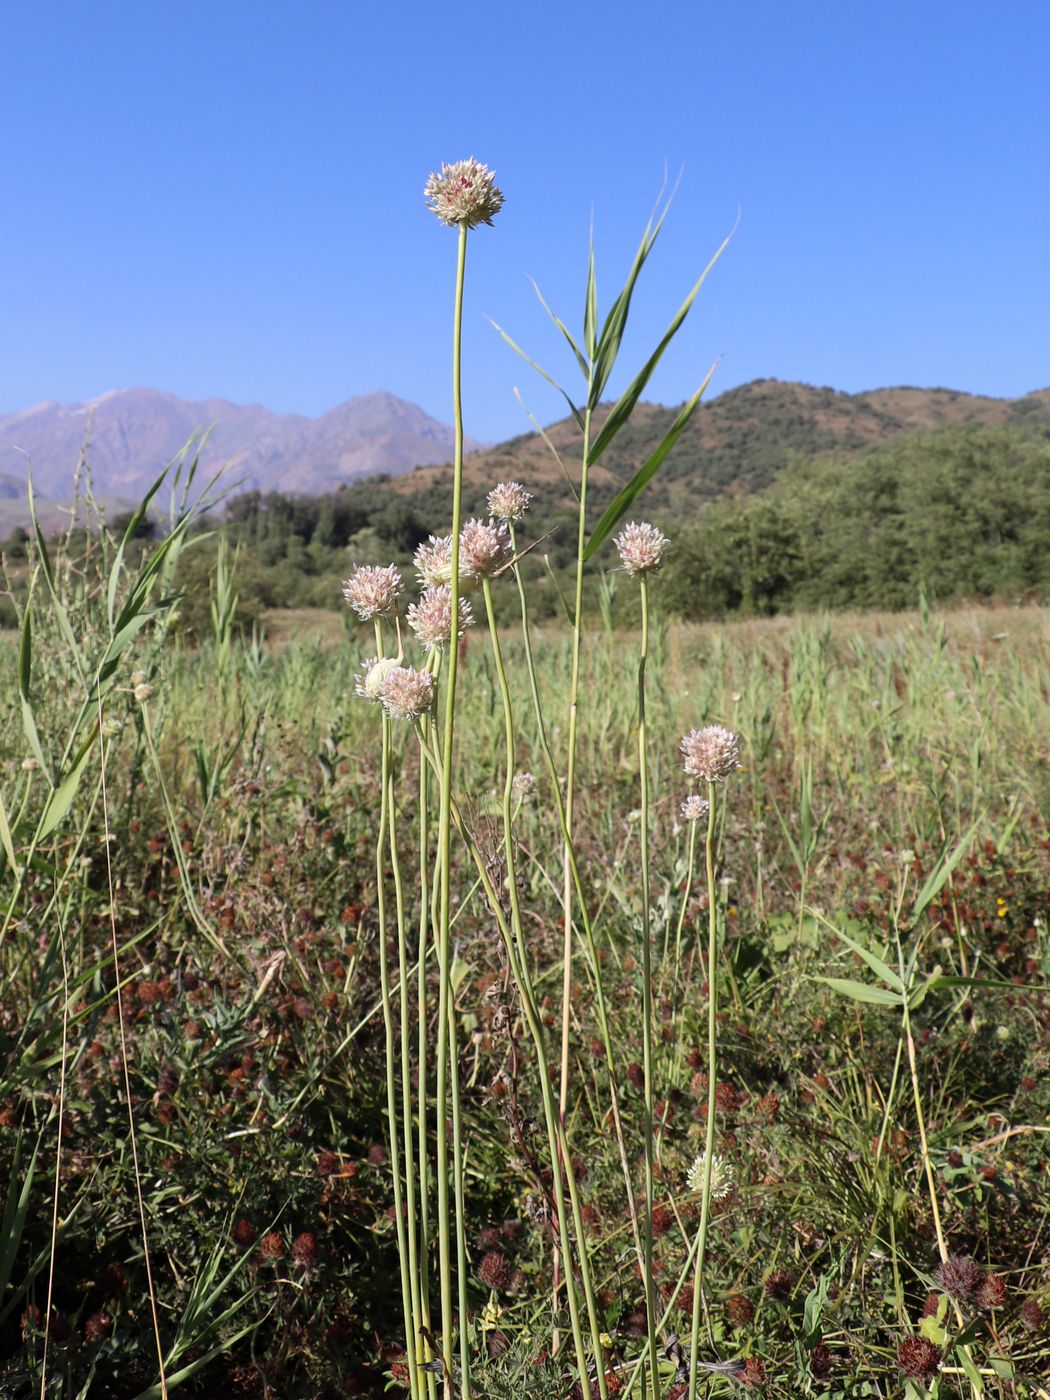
(737, 442)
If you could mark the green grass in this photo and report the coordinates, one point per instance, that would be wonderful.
(255, 1039)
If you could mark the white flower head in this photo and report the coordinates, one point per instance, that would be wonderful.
(641, 548)
(721, 1176)
(711, 754)
(431, 617)
(464, 193)
(484, 547)
(370, 685)
(373, 591)
(695, 807)
(407, 693)
(433, 561)
(509, 500)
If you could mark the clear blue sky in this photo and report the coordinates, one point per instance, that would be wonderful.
(226, 198)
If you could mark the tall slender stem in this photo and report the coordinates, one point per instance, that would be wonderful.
(647, 999)
(446, 1024)
(407, 1122)
(421, 1056)
(570, 773)
(391, 1070)
(712, 1078)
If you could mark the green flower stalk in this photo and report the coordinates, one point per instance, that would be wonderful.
(462, 196)
(709, 755)
(641, 549)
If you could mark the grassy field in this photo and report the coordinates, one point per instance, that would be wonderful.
(229, 859)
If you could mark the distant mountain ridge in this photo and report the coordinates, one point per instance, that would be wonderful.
(737, 442)
(130, 434)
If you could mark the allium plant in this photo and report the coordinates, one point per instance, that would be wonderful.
(477, 554)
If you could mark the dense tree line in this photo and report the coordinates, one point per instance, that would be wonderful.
(958, 513)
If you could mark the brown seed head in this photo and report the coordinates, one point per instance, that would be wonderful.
(958, 1276)
(918, 1357)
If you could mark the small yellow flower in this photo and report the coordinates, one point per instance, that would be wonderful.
(491, 1316)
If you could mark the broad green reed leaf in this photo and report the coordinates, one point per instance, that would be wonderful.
(880, 969)
(623, 501)
(550, 446)
(16, 1207)
(6, 839)
(25, 669)
(608, 345)
(590, 304)
(625, 404)
(942, 869)
(861, 991)
(118, 561)
(580, 358)
(577, 415)
(61, 799)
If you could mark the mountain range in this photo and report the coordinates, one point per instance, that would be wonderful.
(128, 435)
(737, 442)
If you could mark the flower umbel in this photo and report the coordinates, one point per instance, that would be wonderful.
(524, 785)
(431, 617)
(721, 1176)
(483, 547)
(711, 754)
(433, 561)
(509, 500)
(694, 808)
(370, 685)
(373, 591)
(641, 548)
(407, 693)
(464, 193)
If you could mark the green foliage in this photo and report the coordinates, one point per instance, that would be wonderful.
(955, 514)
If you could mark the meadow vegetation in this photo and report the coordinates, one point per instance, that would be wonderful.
(461, 1019)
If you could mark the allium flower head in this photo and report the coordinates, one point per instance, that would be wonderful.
(524, 785)
(373, 591)
(464, 193)
(484, 546)
(509, 500)
(694, 808)
(641, 548)
(721, 1176)
(431, 617)
(433, 561)
(370, 685)
(711, 754)
(407, 693)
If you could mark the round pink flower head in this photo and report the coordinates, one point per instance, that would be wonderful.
(407, 693)
(373, 591)
(642, 548)
(711, 754)
(509, 500)
(464, 193)
(483, 547)
(695, 807)
(370, 685)
(431, 618)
